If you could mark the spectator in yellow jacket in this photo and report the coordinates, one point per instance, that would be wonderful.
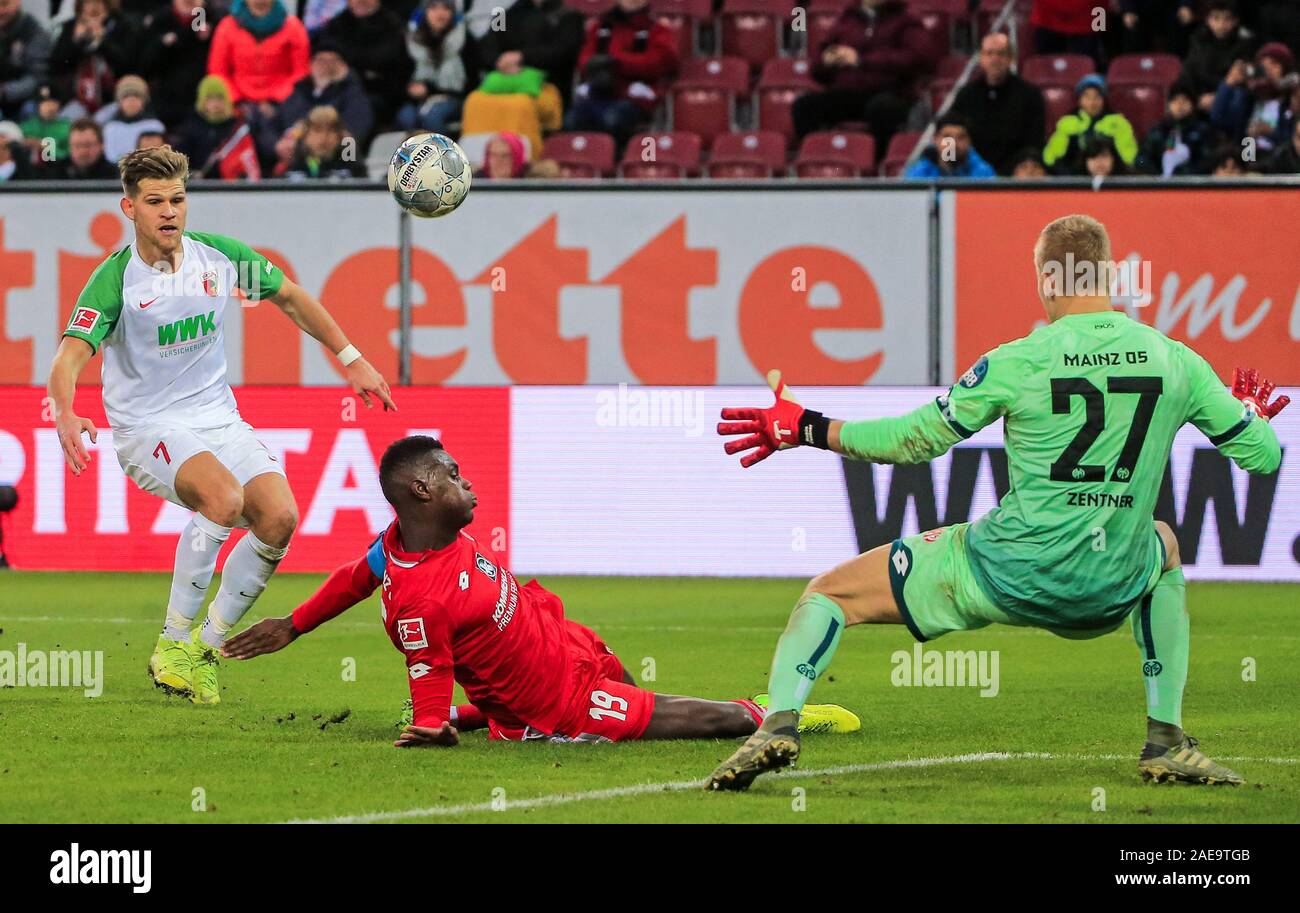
(1063, 152)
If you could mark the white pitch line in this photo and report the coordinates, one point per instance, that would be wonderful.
(644, 789)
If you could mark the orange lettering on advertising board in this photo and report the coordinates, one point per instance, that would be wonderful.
(526, 284)
(272, 349)
(656, 282)
(74, 272)
(356, 293)
(17, 270)
(785, 303)
(443, 306)
(1223, 275)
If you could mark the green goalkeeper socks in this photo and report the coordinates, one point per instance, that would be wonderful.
(804, 651)
(1162, 630)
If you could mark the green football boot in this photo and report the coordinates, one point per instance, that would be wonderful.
(172, 668)
(207, 690)
(408, 714)
(1184, 762)
(822, 717)
(773, 746)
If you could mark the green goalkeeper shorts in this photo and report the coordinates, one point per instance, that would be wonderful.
(936, 591)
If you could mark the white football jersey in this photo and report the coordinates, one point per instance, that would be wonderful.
(162, 332)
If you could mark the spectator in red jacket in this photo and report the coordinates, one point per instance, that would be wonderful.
(869, 64)
(625, 54)
(261, 52)
(1068, 27)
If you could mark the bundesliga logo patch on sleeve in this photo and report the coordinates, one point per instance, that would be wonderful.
(84, 319)
(411, 632)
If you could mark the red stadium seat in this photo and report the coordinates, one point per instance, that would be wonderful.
(683, 17)
(1056, 69)
(1144, 69)
(816, 168)
(1143, 105)
(856, 150)
(822, 16)
(581, 155)
(590, 8)
(661, 155)
(951, 67)
(901, 145)
(939, 89)
(755, 153)
(751, 29)
(1058, 101)
(783, 80)
(703, 98)
(937, 18)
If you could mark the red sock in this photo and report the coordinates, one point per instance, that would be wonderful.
(468, 718)
(754, 710)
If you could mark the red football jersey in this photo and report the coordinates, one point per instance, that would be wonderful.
(459, 617)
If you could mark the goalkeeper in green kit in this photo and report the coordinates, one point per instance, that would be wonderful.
(1091, 404)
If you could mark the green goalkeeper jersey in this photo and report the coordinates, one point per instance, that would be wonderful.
(1091, 404)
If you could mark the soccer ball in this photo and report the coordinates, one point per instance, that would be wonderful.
(429, 175)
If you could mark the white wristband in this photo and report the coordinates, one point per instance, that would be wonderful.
(348, 355)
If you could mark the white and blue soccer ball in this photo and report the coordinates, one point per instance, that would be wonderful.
(429, 175)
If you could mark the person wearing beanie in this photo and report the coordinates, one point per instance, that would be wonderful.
(504, 157)
(446, 66)
(216, 137)
(128, 117)
(1180, 143)
(1253, 97)
(1063, 152)
(46, 131)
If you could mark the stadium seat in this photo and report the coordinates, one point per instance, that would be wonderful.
(703, 99)
(1144, 69)
(590, 8)
(581, 155)
(939, 18)
(1058, 101)
(901, 145)
(783, 80)
(661, 155)
(822, 16)
(857, 151)
(1143, 105)
(951, 67)
(938, 91)
(755, 153)
(751, 29)
(683, 17)
(1056, 69)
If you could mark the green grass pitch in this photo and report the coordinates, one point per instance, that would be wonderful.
(1067, 720)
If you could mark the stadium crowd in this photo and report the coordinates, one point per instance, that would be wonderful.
(325, 89)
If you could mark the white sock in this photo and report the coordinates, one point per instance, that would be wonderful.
(196, 559)
(249, 567)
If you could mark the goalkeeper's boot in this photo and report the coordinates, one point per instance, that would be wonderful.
(171, 667)
(408, 714)
(207, 690)
(821, 717)
(1183, 762)
(773, 746)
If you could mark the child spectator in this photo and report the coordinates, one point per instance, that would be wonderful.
(46, 132)
(1213, 48)
(1005, 112)
(1027, 165)
(128, 117)
(1063, 153)
(950, 154)
(216, 139)
(1180, 142)
(326, 150)
(1100, 159)
(626, 53)
(446, 64)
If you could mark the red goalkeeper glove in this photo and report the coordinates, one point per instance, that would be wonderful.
(782, 425)
(1246, 387)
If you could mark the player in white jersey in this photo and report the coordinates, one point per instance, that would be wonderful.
(157, 307)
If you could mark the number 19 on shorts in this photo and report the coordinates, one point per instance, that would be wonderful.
(604, 704)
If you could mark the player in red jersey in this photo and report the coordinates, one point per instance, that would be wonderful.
(459, 617)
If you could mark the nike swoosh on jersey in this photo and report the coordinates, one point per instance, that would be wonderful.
(145, 304)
